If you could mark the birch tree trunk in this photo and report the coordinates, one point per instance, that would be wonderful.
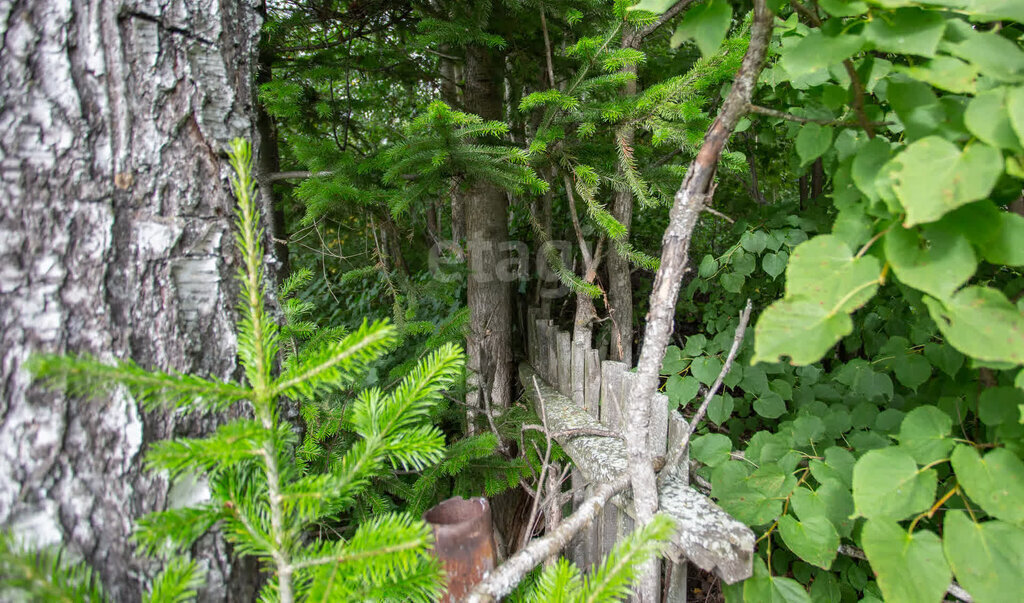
(115, 239)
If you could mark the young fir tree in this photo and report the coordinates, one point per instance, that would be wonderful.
(264, 504)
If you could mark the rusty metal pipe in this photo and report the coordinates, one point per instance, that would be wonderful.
(463, 542)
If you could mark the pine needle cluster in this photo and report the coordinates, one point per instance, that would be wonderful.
(261, 499)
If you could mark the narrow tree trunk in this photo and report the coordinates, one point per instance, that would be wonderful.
(817, 179)
(489, 342)
(450, 95)
(269, 162)
(620, 287)
(115, 239)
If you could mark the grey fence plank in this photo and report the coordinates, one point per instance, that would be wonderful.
(592, 388)
(657, 436)
(551, 342)
(578, 377)
(531, 335)
(564, 343)
(542, 348)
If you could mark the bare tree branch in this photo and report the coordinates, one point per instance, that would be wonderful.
(292, 175)
(808, 120)
(506, 576)
(693, 195)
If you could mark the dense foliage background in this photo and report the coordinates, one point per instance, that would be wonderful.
(869, 204)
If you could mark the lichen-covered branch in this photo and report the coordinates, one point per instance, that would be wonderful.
(694, 193)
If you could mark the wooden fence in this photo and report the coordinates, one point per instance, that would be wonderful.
(580, 391)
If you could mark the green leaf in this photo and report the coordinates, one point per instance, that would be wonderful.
(838, 503)
(681, 390)
(732, 282)
(980, 322)
(695, 345)
(912, 370)
(765, 588)
(907, 31)
(1015, 110)
(706, 369)
(754, 241)
(799, 328)
(844, 8)
(933, 177)
(720, 408)
(947, 73)
(708, 267)
(674, 362)
(774, 264)
(770, 406)
(812, 141)
(824, 270)
(988, 117)
(706, 24)
(772, 480)
(995, 482)
(654, 6)
(996, 10)
(867, 162)
(936, 261)
(918, 109)
(998, 405)
(924, 433)
(887, 484)
(945, 357)
(1003, 246)
(808, 430)
(814, 539)
(729, 486)
(712, 449)
(910, 567)
(987, 558)
(817, 51)
(992, 54)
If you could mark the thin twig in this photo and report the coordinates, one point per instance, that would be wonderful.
(547, 47)
(768, 112)
(715, 212)
(293, 175)
(534, 508)
(858, 86)
(680, 449)
(500, 581)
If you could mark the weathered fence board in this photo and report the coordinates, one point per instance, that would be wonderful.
(706, 535)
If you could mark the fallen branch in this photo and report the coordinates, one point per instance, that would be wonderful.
(506, 576)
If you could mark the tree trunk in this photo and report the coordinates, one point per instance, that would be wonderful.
(115, 239)
(269, 161)
(620, 287)
(489, 343)
(450, 95)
